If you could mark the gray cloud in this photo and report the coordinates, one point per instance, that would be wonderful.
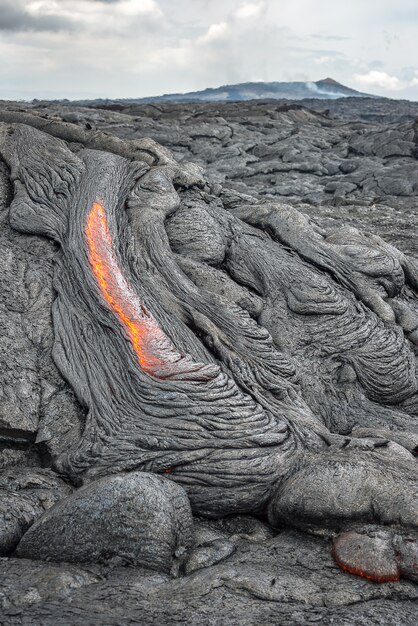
(15, 18)
(64, 16)
(128, 48)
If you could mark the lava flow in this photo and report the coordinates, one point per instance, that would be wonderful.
(153, 348)
(371, 574)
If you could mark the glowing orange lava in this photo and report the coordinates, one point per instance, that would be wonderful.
(377, 577)
(152, 347)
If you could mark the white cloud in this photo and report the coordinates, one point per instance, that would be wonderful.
(249, 9)
(375, 78)
(215, 32)
(137, 7)
(128, 48)
(323, 59)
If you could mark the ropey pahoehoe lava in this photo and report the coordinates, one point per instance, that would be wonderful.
(227, 345)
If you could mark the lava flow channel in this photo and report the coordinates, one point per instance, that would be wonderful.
(156, 353)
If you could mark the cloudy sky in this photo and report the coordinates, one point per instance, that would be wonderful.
(133, 48)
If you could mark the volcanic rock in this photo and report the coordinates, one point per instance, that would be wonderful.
(278, 369)
(139, 519)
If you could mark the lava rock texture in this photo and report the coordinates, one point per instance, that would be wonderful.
(226, 339)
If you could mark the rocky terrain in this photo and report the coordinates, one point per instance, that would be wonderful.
(349, 160)
(345, 162)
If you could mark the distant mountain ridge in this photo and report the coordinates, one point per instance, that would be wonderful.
(325, 89)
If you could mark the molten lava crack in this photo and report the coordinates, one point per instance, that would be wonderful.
(154, 350)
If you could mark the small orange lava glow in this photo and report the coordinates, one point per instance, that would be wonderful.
(357, 571)
(152, 347)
